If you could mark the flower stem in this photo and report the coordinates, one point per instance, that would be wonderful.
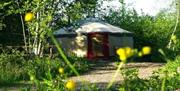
(115, 75)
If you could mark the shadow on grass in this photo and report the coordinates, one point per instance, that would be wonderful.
(100, 86)
(15, 84)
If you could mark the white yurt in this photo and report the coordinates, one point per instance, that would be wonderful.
(92, 38)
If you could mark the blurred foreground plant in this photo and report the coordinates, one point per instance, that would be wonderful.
(125, 54)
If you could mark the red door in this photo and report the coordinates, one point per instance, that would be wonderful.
(98, 45)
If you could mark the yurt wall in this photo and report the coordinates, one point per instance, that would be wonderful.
(74, 45)
(116, 42)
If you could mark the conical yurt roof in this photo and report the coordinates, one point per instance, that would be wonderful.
(90, 25)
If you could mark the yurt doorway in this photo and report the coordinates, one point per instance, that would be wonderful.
(98, 45)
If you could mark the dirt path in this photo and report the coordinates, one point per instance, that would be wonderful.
(102, 71)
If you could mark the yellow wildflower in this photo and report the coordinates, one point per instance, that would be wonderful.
(122, 54)
(29, 16)
(123, 58)
(140, 54)
(146, 50)
(120, 51)
(61, 70)
(70, 85)
(129, 51)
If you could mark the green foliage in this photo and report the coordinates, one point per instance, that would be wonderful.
(166, 78)
(15, 66)
(48, 15)
(11, 67)
(132, 81)
(168, 54)
(49, 83)
(171, 74)
(74, 11)
(39, 66)
(154, 31)
(147, 30)
(171, 67)
(53, 81)
(43, 72)
(79, 63)
(11, 34)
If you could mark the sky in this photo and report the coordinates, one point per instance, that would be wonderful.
(151, 7)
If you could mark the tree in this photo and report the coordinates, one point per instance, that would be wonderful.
(148, 30)
(35, 31)
(48, 15)
(73, 11)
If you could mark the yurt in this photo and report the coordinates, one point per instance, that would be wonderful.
(92, 38)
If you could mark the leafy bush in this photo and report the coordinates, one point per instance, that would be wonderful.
(49, 83)
(15, 66)
(169, 73)
(148, 30)
(11, 67)
(39, 66)
(79, 63)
